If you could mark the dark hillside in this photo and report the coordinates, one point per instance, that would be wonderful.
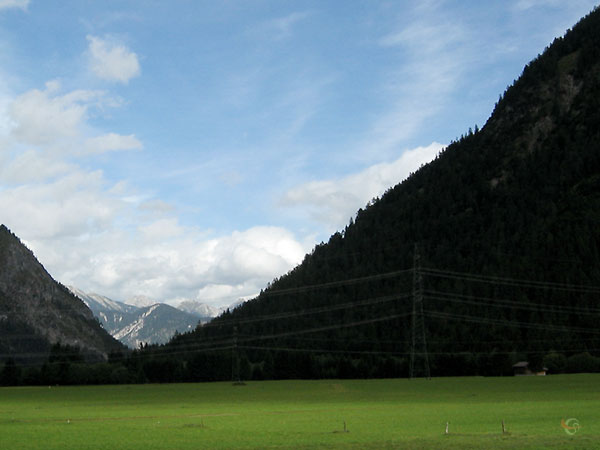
(507, 222)
(36, 312)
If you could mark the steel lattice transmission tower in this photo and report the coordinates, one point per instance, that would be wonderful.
(419, 358)
(235, 358)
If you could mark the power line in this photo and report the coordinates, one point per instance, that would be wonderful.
(316, 310)
(490, 279)
(295, 290)
(313, 350)
(345, 282)
(223, 342)
(232, 343)
(489, 321)
(225, 338)
(247, 338)
(325, 328)
(243, 338)
(453, 353)
(504, 303)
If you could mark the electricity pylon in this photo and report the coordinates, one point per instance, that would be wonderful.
(419, 359)
(235, 359)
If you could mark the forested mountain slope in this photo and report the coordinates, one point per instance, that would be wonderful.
(36, 312)
(506, 221)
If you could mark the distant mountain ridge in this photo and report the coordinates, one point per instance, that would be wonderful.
(135, 325)
(37, 312)
(203, 311)
(140, 301)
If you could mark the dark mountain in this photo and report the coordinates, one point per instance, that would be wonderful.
(36, 312)
(133, 325)
(497, 240)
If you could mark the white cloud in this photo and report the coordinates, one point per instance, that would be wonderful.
(108, 238)
(31, 167)
(69, 206)
(162, 229)
(105, 236)
(112, 142)
(45, 117)
(156, 207)
(334, 202)
(257, 253)
(168, 262)
(112, 61)
(6, 4)
(87, 234)
(57, 124)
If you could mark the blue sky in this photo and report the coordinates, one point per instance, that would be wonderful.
(198, 149)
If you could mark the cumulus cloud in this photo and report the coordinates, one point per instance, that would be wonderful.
(168, 262)
(88, 233)
(31, 166)
(161, 229)
(334, 202)
(156, 207)
(112, 142)
(105, 236)
(71, 205)
(6, 4)
(102, 234)
(112, 61)
(45, 117)
(57, 123)
(257, 253)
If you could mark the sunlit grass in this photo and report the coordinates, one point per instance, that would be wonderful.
(307, 414)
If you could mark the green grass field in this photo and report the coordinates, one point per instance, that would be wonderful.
(306, 414)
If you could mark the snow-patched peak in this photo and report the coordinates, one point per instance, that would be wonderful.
(150, 310)
(141, 301)
(132, 325)
(206, 311)
(100, 302)
(199, 309)
(156, 324)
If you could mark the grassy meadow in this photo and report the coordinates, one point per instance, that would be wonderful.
(307, 414)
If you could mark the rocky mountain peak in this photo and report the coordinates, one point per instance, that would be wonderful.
(37, 309)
